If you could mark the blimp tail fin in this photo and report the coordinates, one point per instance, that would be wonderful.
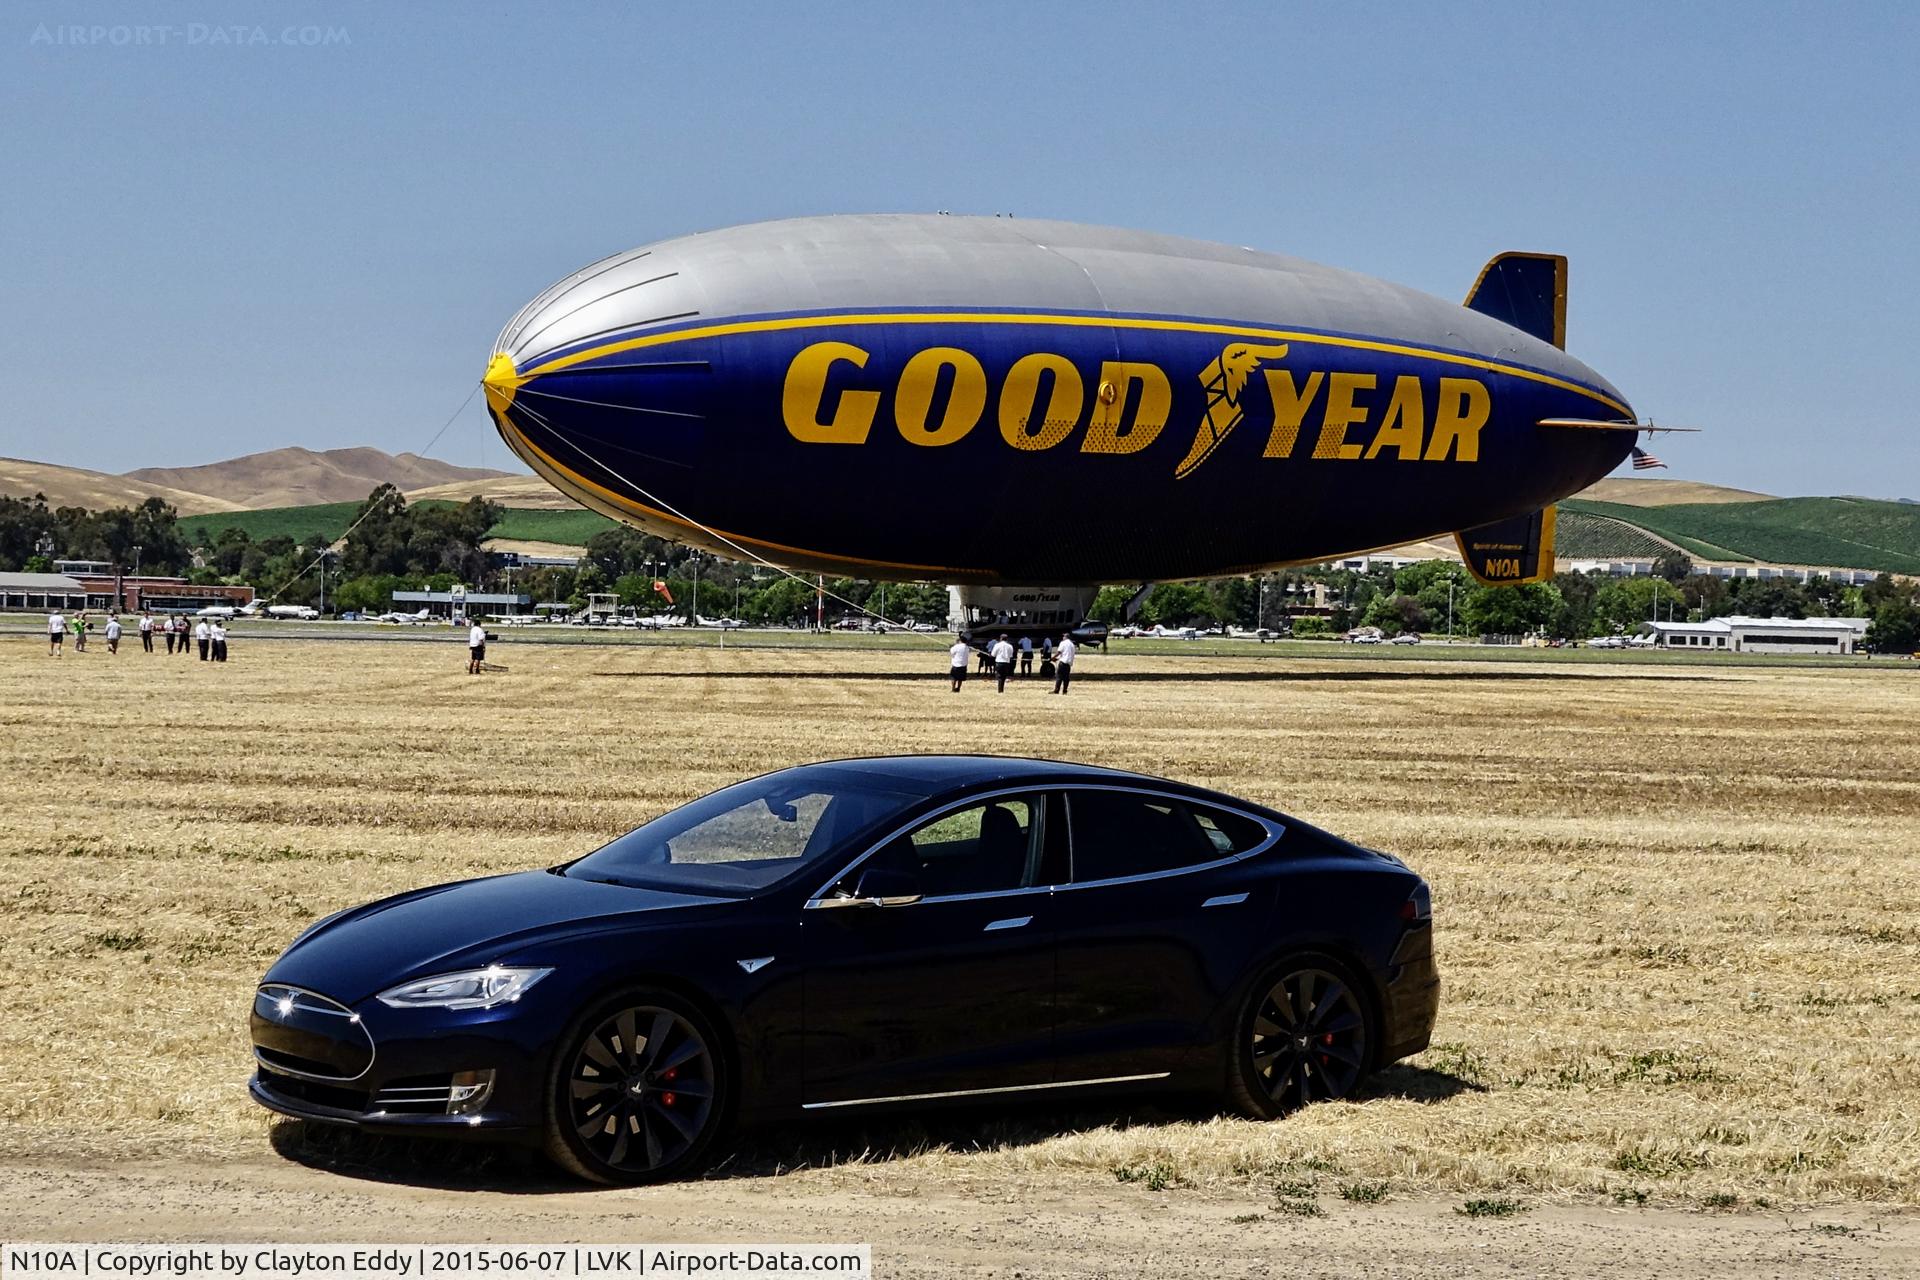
(1510, 552)
(1527, 291)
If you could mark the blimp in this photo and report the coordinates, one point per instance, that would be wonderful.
(1030, 409)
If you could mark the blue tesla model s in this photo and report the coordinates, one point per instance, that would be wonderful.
(853, 934)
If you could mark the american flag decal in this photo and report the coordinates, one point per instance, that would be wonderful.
(1644, 461)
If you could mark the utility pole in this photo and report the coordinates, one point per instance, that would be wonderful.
(1451, 579)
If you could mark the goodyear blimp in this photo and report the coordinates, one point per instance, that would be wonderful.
(996, 402)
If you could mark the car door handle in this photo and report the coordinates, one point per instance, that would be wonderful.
(1011, 922)
(1224, 900)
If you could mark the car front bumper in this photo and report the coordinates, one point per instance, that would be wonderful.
(416, 1071)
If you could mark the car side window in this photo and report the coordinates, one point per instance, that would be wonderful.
(1125, 833)
(983, 848)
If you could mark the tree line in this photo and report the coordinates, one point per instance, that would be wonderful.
(392, 545)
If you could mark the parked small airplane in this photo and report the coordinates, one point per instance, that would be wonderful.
(422, 616)
(218, 611)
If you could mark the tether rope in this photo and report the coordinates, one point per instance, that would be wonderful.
(745, 552)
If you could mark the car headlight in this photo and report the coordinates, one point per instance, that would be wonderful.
(467, 989)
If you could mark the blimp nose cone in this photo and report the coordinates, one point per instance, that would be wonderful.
(501, 381)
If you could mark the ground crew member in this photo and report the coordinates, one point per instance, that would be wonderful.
(1063, 664)
(184, 628)
(146, 631)
(113, 633)
(56, 633)
(1002, 660)
(218, 634)
(476, 649)
(80, 632)
(957, 657)
(203, 634)
(1026, 655)
(166, 629)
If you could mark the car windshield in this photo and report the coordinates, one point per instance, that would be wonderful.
(744, 838)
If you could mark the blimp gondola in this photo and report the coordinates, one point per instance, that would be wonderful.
(1003, 403)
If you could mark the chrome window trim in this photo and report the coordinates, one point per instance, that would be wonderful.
(982, 797)
(980, 1093)
(373, 1046)
(1274, 831)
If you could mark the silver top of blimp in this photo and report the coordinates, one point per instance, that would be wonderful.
(920, 261)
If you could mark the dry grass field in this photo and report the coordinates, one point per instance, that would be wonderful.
(1676, 907)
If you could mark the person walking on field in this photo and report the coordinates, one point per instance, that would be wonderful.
(957, 657)
(1026, 655)
(113, 633)
(1002, 661)
(203, 634)
(56, 633)
(476, 649)
(146, 630)
(218, 634)
(1063, 664)
(80, 632)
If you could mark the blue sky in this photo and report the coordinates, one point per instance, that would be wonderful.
(210, 246)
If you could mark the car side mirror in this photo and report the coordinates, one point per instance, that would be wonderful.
(890, 886)
(877, 887)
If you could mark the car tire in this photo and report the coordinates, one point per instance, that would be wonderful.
(637, 1091)
(1315, 1045)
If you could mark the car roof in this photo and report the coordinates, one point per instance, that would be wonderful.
(942, 774)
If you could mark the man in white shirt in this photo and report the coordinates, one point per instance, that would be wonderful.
(1002, 661)
(218, 634)
(1063, 663)
(146, 631)
(476, 648)
(203, 635)
(56, 633)
(113, 633)
(957, 658)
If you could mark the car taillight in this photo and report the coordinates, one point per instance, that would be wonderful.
(1418, 906)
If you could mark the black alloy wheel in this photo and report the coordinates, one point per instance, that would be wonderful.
(638, 1091)
(1304, 1038)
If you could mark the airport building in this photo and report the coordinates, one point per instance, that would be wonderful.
(74, 591)
(38, 592)
(1739, 634)
(471, 604)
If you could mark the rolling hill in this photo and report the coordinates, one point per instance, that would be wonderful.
(1854, 533)
(78, 487)
(330, 519)
(1639, 491)
(521, 492)
(300, 477)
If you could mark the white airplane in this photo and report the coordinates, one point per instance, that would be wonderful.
(725, 624)
(305, 613)
(668, 620)
(1174, 633)
(218, 611)
(396, 616)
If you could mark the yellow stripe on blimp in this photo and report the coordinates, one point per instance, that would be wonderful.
(1083, 322)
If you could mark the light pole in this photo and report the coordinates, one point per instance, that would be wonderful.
(1451, 579)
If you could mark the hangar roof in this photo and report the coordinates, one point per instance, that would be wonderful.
(39, 582)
